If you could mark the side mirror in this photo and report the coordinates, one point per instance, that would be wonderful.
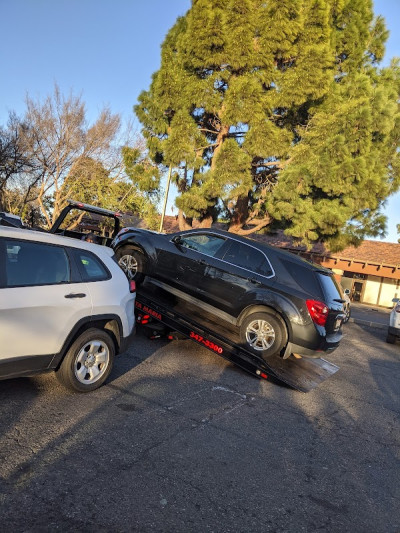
(177, 240)
(395, 300)
(347, 291)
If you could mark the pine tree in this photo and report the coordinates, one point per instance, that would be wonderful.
(276, 113)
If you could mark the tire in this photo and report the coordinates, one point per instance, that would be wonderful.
(133, 263)
(390, 338)
(88, 362)
(347, 314)
(263, 334)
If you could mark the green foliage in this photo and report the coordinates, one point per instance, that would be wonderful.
(142, 172)
(276, 112)
(91, 183)
(342, 171)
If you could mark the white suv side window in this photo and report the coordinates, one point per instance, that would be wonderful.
(31, 263)
(90, 266)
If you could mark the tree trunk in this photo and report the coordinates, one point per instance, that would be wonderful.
(184, 223)
(206, 222)
(42, 207)
(240, 214)
(223, 132)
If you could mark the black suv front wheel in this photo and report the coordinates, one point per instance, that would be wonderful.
(132, 261)
(263, 334)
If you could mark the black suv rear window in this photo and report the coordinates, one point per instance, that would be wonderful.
(304, 277)
(329, 286)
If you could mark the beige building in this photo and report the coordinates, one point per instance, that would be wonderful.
(371, 272)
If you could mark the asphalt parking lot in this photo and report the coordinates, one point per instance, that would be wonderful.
(370, 315)
(179, 440)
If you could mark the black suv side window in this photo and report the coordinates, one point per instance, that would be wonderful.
(90, 267)
(248, 257)
(204, 243)
(30, 263)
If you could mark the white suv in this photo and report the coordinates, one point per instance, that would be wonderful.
(65, 305)
(394, 322)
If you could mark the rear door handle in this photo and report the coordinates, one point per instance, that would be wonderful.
(201, 262)
(75, 295)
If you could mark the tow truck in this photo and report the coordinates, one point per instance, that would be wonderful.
(163, 315)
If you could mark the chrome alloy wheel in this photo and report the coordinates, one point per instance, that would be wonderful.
(260, 335)
(92, 362)
(129, 265)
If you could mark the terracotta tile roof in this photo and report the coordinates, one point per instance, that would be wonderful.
(369, 251)
(373, 251)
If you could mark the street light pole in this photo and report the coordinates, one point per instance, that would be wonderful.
(165, 197)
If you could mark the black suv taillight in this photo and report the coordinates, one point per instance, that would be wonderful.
(132, 285)
(318, 311)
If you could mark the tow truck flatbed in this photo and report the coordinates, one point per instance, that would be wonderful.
(173, 315)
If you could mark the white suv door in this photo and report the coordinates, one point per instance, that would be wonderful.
(110, 296)
(39, 304)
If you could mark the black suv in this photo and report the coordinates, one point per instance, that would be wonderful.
(8, 219)
(278, 302)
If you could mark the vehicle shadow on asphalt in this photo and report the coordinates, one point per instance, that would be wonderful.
(189, 442)
(133, 357)
(385, 374)
(385, 370)
(379, 333)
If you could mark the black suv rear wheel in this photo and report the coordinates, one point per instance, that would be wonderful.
(263, 334)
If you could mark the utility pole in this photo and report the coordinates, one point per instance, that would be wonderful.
(165, 197)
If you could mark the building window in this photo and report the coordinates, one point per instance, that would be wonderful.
(354, 275)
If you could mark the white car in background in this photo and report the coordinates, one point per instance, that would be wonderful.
(394, 322)
(346, 306)
(65, 305)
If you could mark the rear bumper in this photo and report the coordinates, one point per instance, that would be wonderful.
(312, 354)
(317, 344)
(126, 341)
(394, 331)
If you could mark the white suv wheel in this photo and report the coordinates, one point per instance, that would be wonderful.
(92, 361)
(88, 362)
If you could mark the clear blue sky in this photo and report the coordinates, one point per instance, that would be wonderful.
(106, 50)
